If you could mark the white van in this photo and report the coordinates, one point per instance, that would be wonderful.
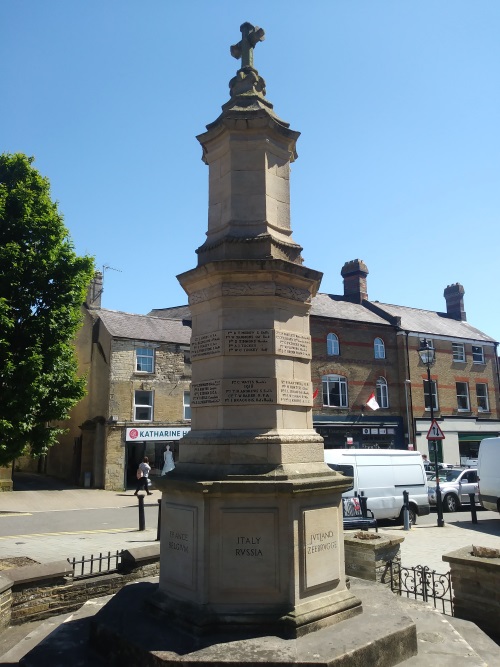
(488, 472)
(382, 475)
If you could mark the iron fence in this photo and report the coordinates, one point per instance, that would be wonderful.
(420, 582)
(95, 565)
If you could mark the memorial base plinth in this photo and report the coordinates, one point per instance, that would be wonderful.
(203, 621)
(126, 634)
(260, 553)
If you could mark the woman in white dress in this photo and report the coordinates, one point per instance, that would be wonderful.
(168, 458)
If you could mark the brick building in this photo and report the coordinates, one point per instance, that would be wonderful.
(138, 382)
(362, 346)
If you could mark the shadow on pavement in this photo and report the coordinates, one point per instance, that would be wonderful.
(31, 481)
(487, 526)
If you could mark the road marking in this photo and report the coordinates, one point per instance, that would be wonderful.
(4, 514)
(72, 532)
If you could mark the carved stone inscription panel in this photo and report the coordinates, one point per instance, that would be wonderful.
(251, 341)
(207, 345)
(249, 551)
(294, 392)
(251, 391)
(178, 547)
(243, 391)
(206, 393)
(292, 344)
(321, 547)
(248, 341)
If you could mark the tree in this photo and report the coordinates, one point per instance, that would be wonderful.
(42, 286)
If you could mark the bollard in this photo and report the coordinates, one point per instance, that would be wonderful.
(473, 509)
(406, 511)
(142, 521)
(158, 527)
(363, 501)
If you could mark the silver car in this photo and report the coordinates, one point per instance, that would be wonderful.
(455, 488)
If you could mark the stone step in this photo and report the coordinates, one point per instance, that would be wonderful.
(63, 642)
(65, 634)
(451, 641)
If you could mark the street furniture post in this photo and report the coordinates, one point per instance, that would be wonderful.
(406, 511)
(142, 520)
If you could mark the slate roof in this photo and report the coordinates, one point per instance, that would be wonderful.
(174, 313)
(332, 305)
(432, 323)
(426, 322)
(143, 327)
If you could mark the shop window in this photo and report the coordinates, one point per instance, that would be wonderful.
(477, 354)
(335, 391)
(433, 395)
(458, 351)
(462, 396)
(144, 360)
(379, 348)
(332, 345)
(382, 393)
(483, 404)
(187, 405)
(143, 406)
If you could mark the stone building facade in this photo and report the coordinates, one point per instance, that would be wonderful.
(138, 382)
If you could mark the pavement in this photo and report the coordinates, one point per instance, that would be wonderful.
(424, 544)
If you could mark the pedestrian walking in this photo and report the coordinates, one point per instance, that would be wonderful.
(143, 476)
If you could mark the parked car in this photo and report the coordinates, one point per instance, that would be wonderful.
(456, 484)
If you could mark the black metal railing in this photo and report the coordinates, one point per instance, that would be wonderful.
(422, 583)
(93, 566)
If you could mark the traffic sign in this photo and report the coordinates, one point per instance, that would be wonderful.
(435, 432)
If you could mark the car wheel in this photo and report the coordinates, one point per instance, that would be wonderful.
(450, 503)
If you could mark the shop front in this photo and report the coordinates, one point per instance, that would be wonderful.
(150, 442)
(361, 432)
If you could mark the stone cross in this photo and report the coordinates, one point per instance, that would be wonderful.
(250, 35)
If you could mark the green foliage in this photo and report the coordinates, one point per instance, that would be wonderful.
(42, 286)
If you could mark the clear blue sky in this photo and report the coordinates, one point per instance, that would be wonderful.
(398, 104)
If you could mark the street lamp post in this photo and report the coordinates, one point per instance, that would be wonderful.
(428, 356)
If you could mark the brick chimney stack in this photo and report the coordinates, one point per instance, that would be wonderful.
(94, 291)
(354, 274)
(454, 295)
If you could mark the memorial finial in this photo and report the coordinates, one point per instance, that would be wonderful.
(250, 36)
(247, 83)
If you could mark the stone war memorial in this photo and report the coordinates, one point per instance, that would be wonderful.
(252, 551)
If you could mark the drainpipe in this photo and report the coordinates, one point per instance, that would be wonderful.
(409, 403)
